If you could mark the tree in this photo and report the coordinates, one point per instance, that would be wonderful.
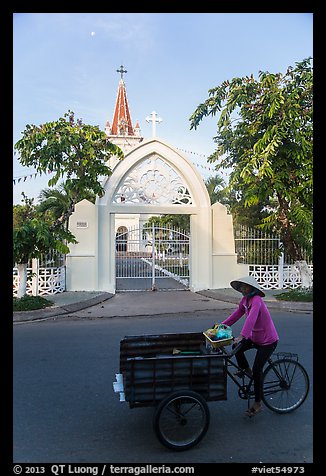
(58, 201)
(219, 192)
(216, 189)
(251, 216)
(265, 135)
(175, 221)
(34, 234)
(70, 149)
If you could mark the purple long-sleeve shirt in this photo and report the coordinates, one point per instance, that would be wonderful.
(258, 326)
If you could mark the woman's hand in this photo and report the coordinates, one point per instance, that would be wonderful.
(237, 339)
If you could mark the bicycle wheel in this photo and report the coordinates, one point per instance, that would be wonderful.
(285, 385)
(181, 420)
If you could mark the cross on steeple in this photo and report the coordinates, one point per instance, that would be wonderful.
(121, 71)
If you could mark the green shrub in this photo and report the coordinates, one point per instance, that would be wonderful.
(30, 303)
(300, 294)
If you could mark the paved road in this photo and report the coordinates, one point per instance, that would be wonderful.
(65, 409)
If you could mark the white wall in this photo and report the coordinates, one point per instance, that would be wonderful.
(224, 258)
(81, 265)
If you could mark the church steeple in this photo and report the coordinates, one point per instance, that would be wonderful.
(121, 124)
(122, 132)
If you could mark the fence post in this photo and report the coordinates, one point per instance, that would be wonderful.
(153, 257)
(35, 266)
(280, 271)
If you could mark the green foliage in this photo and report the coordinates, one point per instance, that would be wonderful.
(58, 201)
(34, 233)
(216, 189)
(300, 294)
(182, 222)
(30, 303)
(68, 148)
(265, 136)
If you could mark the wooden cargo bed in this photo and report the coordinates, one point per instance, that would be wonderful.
(151, 370)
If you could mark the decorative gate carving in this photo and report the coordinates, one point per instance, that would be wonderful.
(152, 258)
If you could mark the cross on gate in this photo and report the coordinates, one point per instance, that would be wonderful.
(153, 119)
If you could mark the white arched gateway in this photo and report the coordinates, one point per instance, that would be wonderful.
(154, 178)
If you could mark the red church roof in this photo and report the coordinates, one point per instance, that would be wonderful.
(121, 124)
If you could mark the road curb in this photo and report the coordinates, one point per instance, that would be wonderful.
(24, 316)
(270, 302)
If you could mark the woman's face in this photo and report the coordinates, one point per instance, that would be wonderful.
(245, 289)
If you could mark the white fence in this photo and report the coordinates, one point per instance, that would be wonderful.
(257, 251)
(260, 252)
(43, 279)
(277, 276)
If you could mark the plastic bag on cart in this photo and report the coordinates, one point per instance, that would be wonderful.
(220, 331)
(224, 332)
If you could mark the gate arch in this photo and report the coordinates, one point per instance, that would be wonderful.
(155, 178)
(179, 169)
(153, 165)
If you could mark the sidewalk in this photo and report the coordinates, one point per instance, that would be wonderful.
(124, 303)
(232, 296)
(64, 303)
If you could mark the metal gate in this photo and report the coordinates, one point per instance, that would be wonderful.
(152, 257)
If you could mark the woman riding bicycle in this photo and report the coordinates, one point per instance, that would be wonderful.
(258, 332)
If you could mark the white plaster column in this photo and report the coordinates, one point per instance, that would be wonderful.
(201, 250)
(106, 250)
(81, 262)
(224, 258)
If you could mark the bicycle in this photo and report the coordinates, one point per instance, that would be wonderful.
(179, 386)
(285, 381)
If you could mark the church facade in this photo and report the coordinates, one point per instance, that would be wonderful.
(154, 178)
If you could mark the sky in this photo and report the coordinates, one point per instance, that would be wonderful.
(69, 61)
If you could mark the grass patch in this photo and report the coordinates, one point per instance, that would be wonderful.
(30, 303)
(300, 294)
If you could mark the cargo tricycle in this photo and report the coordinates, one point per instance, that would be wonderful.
(178, 374)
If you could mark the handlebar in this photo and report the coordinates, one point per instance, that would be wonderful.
(235, 348)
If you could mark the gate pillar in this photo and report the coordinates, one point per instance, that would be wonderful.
(224, 257)
(201, 250)
(106, 250)
(82, 261)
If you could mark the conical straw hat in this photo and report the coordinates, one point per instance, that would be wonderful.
(247, 280)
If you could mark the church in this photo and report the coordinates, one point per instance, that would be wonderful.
(114, 241)
(123, 134)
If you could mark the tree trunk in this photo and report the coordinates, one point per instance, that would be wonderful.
(22, 279)
(305, 273)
